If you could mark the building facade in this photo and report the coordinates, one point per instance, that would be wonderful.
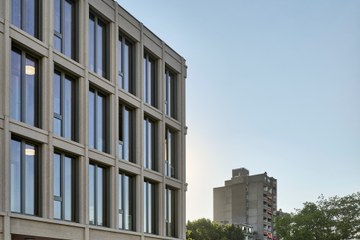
(92, 124)
(248, 199)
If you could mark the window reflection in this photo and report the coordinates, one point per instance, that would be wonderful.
(125, 202)
(149, 144)
(97, 195)
(149, 208)
(97, 120)
(125, 65)
(25, 15)
(125, 133)
(149, 80)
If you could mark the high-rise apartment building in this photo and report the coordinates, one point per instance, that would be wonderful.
(92, 124)
(247, 199)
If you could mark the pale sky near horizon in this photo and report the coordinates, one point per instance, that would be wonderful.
(272, 86)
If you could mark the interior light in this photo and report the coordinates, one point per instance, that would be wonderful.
(29, 70)
(29, 152)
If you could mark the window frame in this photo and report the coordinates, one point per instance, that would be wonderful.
(105, 119)
(37, 17)
(150, 209)
(62, 35)
(123, 40)
(131, 132)
(170, 212)
(23, 88)
(37, 177)
(62, 116)
(170, 93)
(170, 149)
(74, 185)
(105, 197)
(105, 68)
(150, 80)
(122, 199)
(150, 143)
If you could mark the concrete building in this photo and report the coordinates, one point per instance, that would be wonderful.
(92, 124)
(247, 200)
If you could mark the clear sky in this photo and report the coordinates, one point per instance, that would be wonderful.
(272, 86)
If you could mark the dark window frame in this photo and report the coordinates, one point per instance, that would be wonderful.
(37, 17)
(150, 143)
(37, 96)
(105, 39)
(170, 93)
(74, 190)
(62, 35)
(132, 133)
(124, 40)
(37, 176)
(74, 117)
(105, 196)
(132, 211)
(150, 80)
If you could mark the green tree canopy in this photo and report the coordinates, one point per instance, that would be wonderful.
(335, 218)
(204, 229)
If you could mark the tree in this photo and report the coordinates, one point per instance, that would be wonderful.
(329, 219)
(204, 229)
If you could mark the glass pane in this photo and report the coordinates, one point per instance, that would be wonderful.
(69, 23)
(100, 195)
(57, 16)
(100, 48)
(149, 82)
(92, 194)
(150, 208)
(145, 137)
(30, 92)
(150, 145)
(100, 128)
(68, 109)
(30, 17)
(57, 43)
(126, 134)
(57, 209)
(91, 119)
(57, 175)
(120, 68)
(145, 80)
(57, 126)
(121, 201)
(126, 202)
(57, 93)
(15, 156)
(30, 153)
(145, 208)
(126, 67)
(91, 43)
(16, 13)
(16, 85)
(68, 186)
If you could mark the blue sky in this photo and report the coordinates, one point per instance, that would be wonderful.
(272, 86)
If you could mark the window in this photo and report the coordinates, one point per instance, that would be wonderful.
(26, 15)
(24, 88)
(64, 106)
(97, 195)
(170, 159)
(126, 133)
(170, 93)
(149, 80)
(126, 79)
(149, 144)
(150, 215)
(126, 202)
(24, 177)
(98, 46)
(64, 187)
(64, 27)
(170, 212)
(97, 120)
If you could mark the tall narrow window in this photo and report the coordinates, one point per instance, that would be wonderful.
(149, 80)
(64, 106)
(97, 195)
(170, 159)
(24, 88)
(126, 133)
(64, 187)
(97, 120)
(170, 93)
(150, 215)
(126, 78)
(26, 15)
(149, 144)
(98, 46)
(170, 212)
(64, 27)
(24, 177)
(126, 202)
